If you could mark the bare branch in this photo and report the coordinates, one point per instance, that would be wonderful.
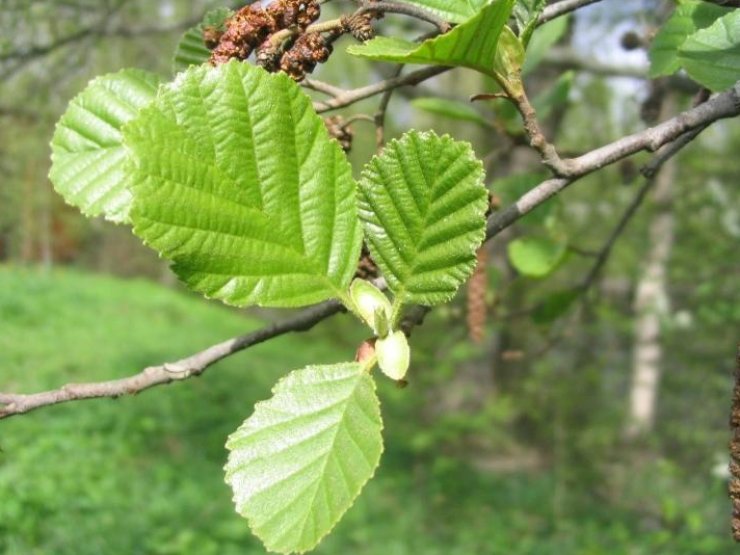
(350, 97)
(406, 9)
(724, 105)
(182, 369)
(561, 8)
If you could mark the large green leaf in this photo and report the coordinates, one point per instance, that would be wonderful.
(472, 44)
(298, 463)
(239, 184)
(687, 18)
(191, 50)
(422, 202)
(712, 56)
(454, 11)
(88, 160)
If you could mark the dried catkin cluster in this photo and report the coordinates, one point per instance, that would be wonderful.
(248, 28)
(280, 37)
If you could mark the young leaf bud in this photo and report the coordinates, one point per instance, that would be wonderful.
(393, 355)
(372, 305)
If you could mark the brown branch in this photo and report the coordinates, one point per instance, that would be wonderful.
(182, 369)
(405, 9)
(724, 105)
(350, 97)
(561, 8)
(380, 114)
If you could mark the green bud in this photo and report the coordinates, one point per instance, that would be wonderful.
(372, 305)
(393, 355)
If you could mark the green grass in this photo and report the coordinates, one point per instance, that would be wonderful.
(143, 475)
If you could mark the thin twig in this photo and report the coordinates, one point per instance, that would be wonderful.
(350, 97)
(382, 109)
(561, 8)
(406, 9)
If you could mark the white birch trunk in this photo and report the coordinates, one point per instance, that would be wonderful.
(650, 306)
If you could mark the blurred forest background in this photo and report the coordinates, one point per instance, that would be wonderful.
(587, 414)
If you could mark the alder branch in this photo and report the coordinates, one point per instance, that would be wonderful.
(185, 368)
(724, 105)
(405, 9)
(561, 8)
(345, 98)
(721, 106)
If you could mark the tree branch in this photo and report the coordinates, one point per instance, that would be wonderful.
(724, 105)
(561, 8)
(185, 368)
(350, 97)
(721, 106)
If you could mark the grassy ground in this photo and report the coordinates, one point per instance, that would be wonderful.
(143, 475)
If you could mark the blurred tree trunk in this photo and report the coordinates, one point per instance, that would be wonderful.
(651, 303)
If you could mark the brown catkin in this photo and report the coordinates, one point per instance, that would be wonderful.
(477, 306)
(734, 485)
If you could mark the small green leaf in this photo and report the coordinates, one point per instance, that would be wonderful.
(394, 355)
(88, 160)
(526, 14)
(372, 304)
(453, 109)
(687, 18)
(422, 202)
(543, 39)
(555, 306)
(508, 61)
(712, 56)
(454, 11)
(298, 463)
(536, 256)
(191, 50)
(239, 184)
(472, 44)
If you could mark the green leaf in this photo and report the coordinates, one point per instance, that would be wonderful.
(536, 256)
(394, 355)
(472, 44)
(544, 38)
(687, 18)
(422, 202)
(526, 14)
(372, 305)
(191, 50)
(453, 109)
(712, 56)
(454, 11)
(508, 61)
(298, 463)
(239, 184)
(555, 306)
(88, 160)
